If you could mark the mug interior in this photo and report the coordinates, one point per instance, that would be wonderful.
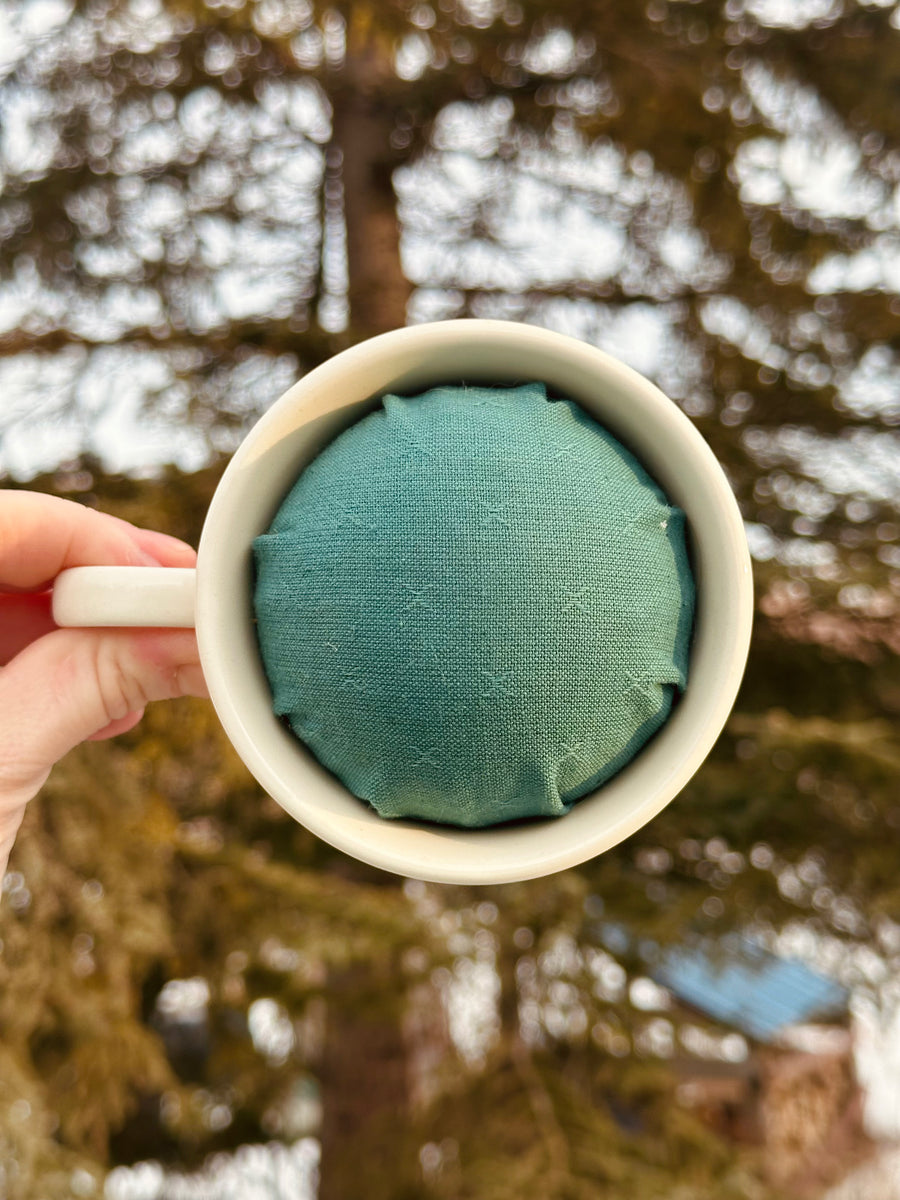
(313, 412)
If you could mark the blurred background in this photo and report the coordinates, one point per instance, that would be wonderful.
(199, 202)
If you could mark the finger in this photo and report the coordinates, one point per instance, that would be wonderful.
(166, 550)
(114, 728)
(41, 535)
(10, 820)
(75, 683)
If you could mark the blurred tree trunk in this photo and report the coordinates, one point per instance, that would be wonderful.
(378, 291)
(365, 1069)
(365, 1092)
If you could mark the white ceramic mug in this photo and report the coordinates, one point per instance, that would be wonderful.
(217, 597)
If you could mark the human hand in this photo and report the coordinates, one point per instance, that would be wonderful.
(59, 687)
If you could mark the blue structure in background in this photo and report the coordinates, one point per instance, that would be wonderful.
(740, 984)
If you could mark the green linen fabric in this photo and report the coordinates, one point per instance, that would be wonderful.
(474, 605)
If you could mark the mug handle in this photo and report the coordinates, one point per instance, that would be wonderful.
(162, 597)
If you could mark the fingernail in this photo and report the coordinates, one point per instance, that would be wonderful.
(175, 541)
(166, 540)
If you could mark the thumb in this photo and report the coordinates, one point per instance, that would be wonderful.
(74, 683)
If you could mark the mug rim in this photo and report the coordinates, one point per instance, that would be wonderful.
(255, 481)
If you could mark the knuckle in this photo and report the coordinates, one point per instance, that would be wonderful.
(122, 689)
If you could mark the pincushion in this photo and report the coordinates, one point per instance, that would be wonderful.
(474, 605)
